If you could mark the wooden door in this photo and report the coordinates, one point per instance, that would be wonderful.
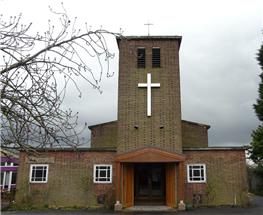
(170, 185)
(128, 182)
(149, 184)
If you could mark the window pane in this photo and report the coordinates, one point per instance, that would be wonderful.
(2, 177)
(13, 178)
(196, 173)
(102, 173)
(7, 176)
(141, 57)
(38, 173)
(156, 58)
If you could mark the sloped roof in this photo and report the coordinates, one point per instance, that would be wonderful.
(149, 155)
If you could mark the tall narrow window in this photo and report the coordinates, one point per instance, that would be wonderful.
(141, 57)
(156, 57)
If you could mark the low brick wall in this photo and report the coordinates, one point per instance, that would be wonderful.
(70, 180)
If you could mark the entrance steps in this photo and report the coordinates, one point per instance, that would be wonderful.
(150, 208)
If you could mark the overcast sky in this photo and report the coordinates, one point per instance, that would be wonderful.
(219, 73)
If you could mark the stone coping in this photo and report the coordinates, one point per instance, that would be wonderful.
(106, 149)
(217, 148)
(114, 149)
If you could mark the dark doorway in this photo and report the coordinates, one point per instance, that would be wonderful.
(149, 184)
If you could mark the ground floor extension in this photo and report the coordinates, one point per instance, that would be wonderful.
(147, 176)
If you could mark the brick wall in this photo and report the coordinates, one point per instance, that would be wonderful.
(194, 135)
(226, 177)
(70, 180)
(104, 135)
(163, 128)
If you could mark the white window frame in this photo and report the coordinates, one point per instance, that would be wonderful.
(188, 173)
(30, 173)
(94, 174)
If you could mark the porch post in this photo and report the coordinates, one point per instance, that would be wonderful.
(118, 205)
(181, 181)
(118, 181)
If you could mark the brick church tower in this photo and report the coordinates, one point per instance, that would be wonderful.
(149, 106)
(149, 161)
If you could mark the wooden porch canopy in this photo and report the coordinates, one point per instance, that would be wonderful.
(149, 155)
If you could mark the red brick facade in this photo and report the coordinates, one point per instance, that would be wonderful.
(137, 139)
(226, 177)
(70, 179)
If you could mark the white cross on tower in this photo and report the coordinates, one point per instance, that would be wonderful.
(149, 86)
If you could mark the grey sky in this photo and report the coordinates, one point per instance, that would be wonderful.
(219, 73)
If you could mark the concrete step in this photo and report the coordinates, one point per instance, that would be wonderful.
(150, 208)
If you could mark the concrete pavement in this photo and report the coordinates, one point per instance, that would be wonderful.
(256, 208)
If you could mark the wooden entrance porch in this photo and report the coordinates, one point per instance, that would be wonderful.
(148, 176)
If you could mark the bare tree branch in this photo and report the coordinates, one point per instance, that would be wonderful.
(35, 72)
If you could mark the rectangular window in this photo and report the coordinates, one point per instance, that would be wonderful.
(38, 173)
(196, 173)
(102, 173)
(141, 57)
(156, 57)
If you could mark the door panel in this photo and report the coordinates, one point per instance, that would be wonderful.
(128, 179)
(170, 185)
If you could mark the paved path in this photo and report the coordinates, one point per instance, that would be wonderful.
(255, 209)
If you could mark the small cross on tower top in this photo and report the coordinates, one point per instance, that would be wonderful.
(148, 24)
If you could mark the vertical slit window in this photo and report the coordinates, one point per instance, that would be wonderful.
(156, 58)
(141, 57)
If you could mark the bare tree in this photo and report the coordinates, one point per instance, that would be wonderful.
(35, 72)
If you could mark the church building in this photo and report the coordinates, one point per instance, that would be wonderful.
(149, 156)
